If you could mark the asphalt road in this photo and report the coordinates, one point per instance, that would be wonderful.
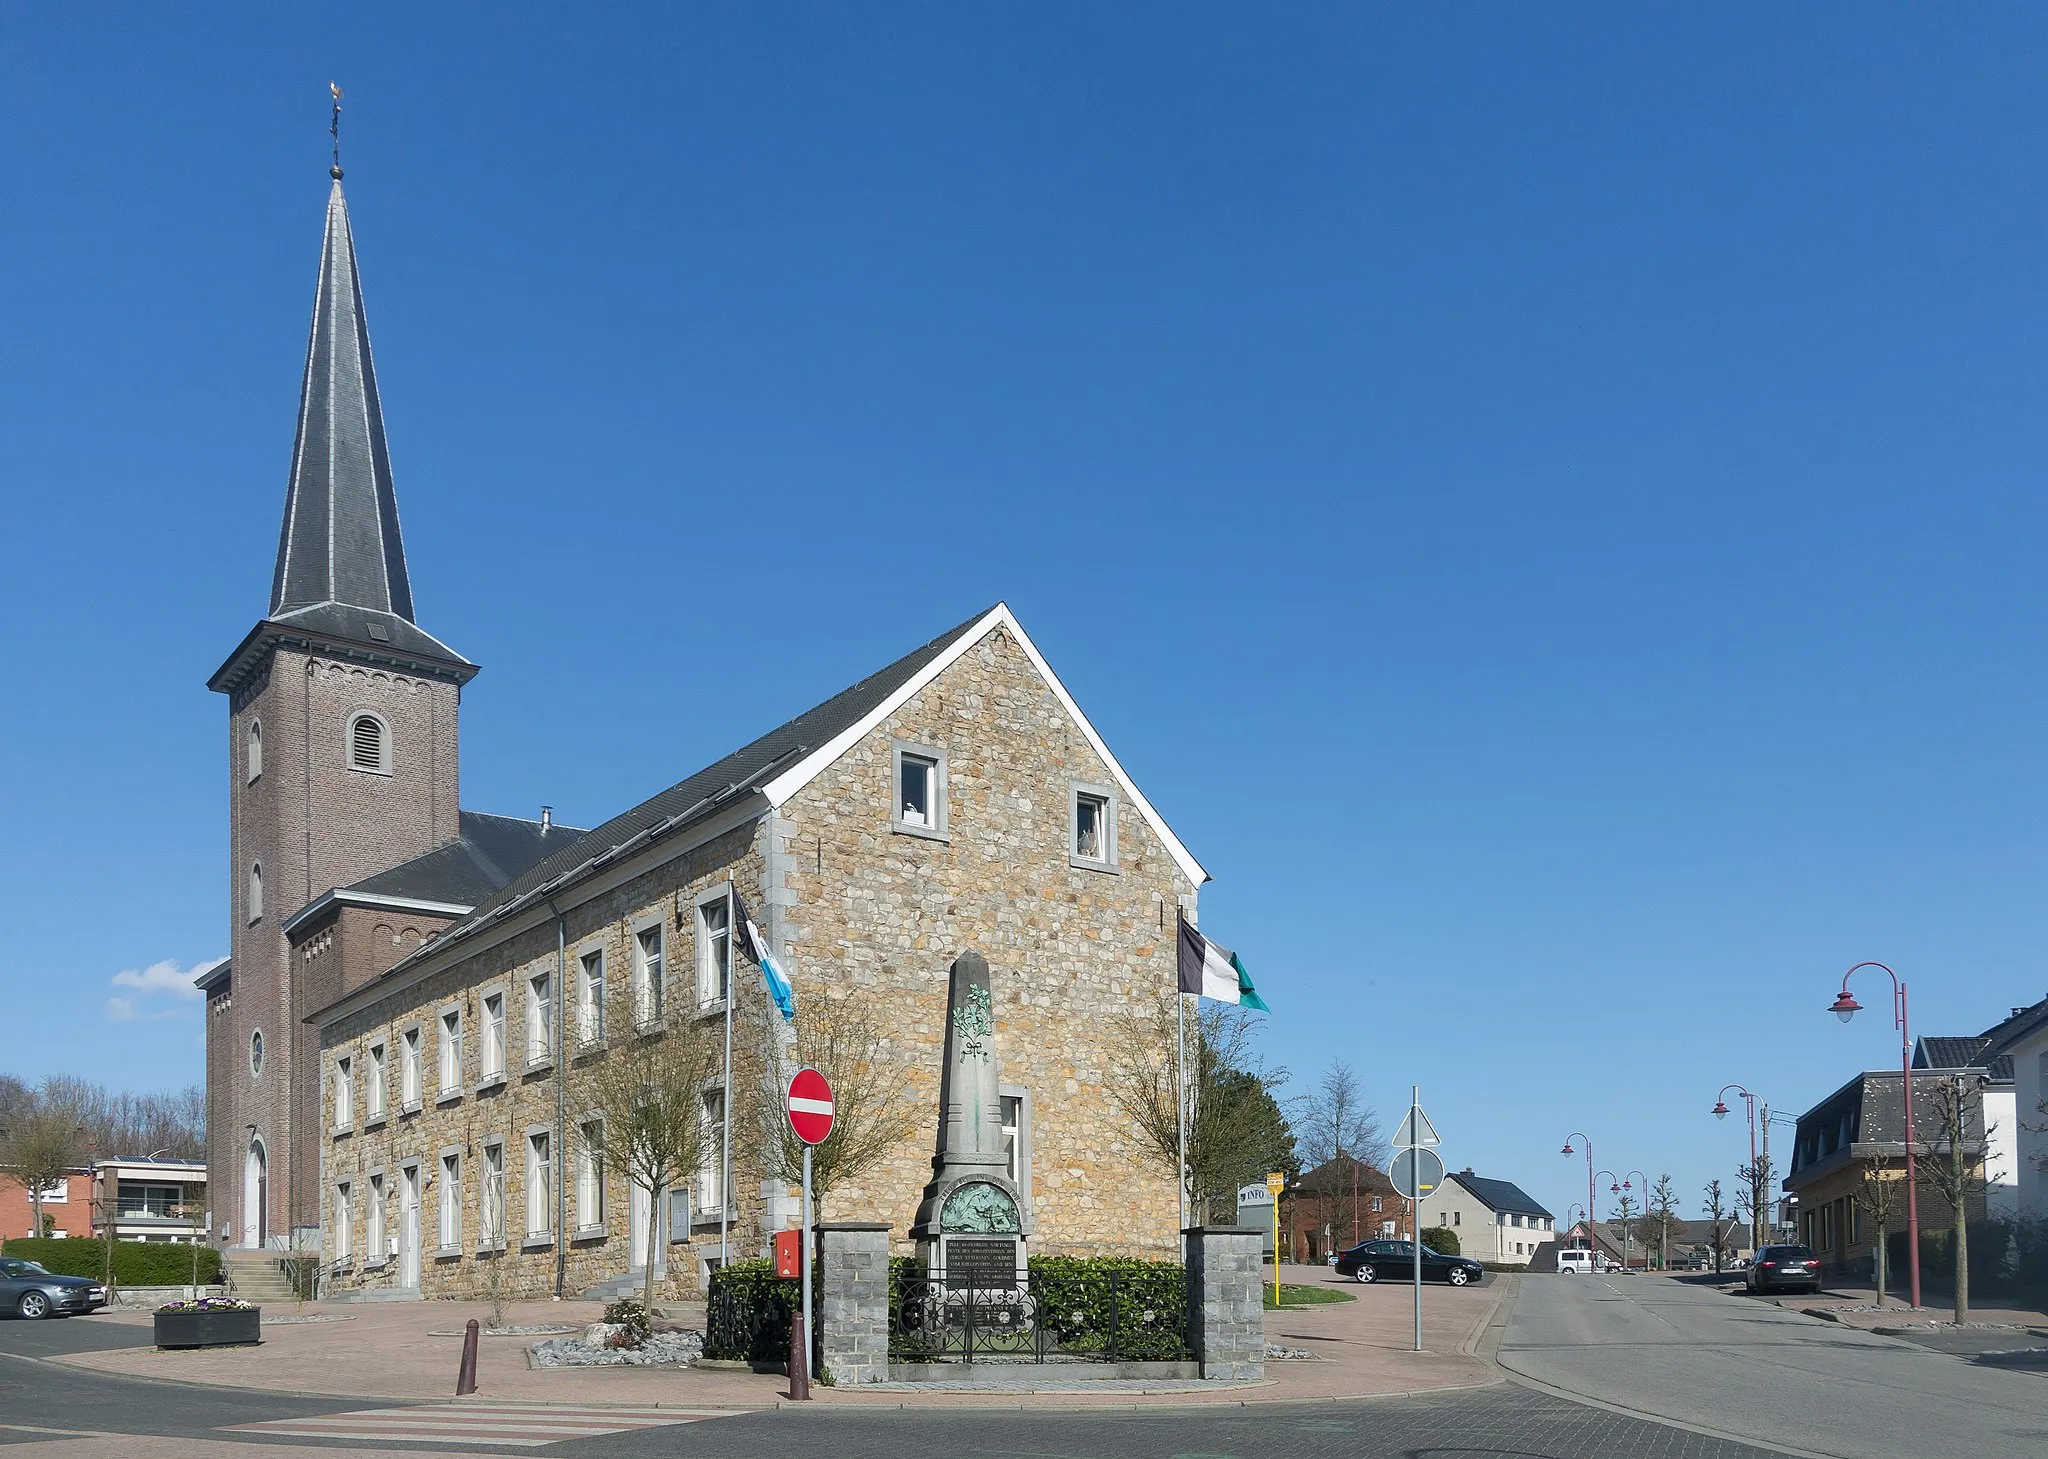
(1756, 1371)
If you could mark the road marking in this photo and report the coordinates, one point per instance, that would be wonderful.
(520, 1425)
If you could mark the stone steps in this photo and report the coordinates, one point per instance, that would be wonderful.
(256, 1276)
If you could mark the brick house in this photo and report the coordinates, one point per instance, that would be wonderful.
(399, 1046)
(67, 1206)
(1337, 1205)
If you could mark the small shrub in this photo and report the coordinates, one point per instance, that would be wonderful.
(1443, 1239)
(633, 1319)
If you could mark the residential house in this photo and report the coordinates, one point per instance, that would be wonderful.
(1337, 1205)
(2021, 1145)
(1495, 1220)
(1991, 1072)
(67, 1206)
(150, 1200)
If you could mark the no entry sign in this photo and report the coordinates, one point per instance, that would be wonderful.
(810, 1106)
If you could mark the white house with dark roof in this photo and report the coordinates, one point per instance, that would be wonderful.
(1496, 1220)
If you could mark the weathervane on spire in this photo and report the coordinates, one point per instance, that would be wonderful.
(334, 128)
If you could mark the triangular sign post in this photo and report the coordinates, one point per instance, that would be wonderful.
(1416, 1130)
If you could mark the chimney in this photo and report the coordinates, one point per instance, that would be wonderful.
(547, 818)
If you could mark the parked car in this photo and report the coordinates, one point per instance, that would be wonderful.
(1394, 1261)
(1784, 1268)
(27, 1289)
(1576, 1262)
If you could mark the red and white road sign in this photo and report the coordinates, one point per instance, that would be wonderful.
(810, 1106)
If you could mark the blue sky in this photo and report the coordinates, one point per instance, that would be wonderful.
(1546, 501)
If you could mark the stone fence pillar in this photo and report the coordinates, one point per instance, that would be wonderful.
(1226, 1303)
(853, 1319)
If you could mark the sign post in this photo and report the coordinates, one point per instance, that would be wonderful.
(1276, 1182)
(809, 1104)
(1418, 1171)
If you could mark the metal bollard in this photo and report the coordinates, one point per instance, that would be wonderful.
(799, 1359)
(465, 1376)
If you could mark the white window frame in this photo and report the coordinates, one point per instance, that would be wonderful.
(1020, 1173)
(255, 898)
(344, 1224)
(590, 998)
(448, 1050)
(708, 1193)
(374, 1091)
(589, 1178)
(344, 1094)
(540, 1194)
(493, 1034)
(490, 1234)
(374, 1253)
(448, 1201)
(252, 752)
(939, 827)
(348, 742)
(712, 988)
(650, 976)
(412, 1073)
(540, 1019)
(1106, 796)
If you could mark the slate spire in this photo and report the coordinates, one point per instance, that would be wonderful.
(340, 542)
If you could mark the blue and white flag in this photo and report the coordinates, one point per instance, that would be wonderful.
(757, 949)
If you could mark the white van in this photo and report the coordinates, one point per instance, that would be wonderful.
(1576, 1260)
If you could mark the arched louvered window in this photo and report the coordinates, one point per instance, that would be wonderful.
(369, 744)
(255, 748)
(256, 892)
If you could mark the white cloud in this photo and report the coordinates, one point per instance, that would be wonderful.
(158, 981)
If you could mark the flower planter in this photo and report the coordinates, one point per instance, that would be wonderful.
(209, 1329)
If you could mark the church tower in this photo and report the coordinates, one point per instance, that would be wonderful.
(342, 761)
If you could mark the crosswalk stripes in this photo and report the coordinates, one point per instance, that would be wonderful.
(521, 1425)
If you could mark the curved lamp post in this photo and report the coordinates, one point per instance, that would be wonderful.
(1720, 1112)
(1845, 1008)
(1615, 1186)
(1567, 1152)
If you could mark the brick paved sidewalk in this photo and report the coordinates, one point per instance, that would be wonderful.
(410, 1350)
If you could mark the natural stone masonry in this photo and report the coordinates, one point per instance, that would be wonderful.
(853, 1325)
(1226, 1306)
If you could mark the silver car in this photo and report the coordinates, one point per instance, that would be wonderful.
(30, 1290)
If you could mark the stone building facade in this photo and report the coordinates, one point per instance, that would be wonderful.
(863, 904)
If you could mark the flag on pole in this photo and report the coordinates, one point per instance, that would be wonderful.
(757, 949)
(1214, 971)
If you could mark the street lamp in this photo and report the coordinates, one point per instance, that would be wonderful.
(1615, 1186)
(1845, 1008)
(1720, 1112)
(1590, 1206)
(1645, 1211)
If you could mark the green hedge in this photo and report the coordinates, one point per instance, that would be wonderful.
(136, 1263)
(1441, 1239)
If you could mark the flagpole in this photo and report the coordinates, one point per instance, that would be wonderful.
(725, 1101)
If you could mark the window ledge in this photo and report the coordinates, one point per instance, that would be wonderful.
(491, 1248)
(707, 1216)
(1082, 863)
(339, 1130)
(923, 833)
(593, 1045)
(448, 1096)
(540, 1065)
(489, 1082)
(645, 1026)
(443, 1253)
(709, 1010)
(588, 1233)
(537, 1240)
(410, 1107)
(376, 1266)
(374, 1122)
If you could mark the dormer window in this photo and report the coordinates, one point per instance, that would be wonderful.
(255, 752)
(369, 745)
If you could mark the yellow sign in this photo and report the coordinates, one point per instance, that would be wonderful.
(1276, 1182)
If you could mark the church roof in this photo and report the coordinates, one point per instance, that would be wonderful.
(489, 852)
(341, 578)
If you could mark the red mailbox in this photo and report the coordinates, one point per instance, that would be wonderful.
(789, 1253)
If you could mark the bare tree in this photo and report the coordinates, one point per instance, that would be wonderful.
(1715, 1205)
(650, 1126)
(1659, 1216)
(1877, 1196)
(38, 1149)
(1954, 1168)
(1234, 1124)
(1753, 1197)
(1335, 1127)
(873, 1107)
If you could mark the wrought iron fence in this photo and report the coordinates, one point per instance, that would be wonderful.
(1063, 1309)
(749, 1321)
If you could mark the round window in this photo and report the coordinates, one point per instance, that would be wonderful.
(256, 1052)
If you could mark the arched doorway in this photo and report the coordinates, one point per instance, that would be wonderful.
(256, 1194)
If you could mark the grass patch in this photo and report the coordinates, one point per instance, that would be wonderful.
(1293, 1298)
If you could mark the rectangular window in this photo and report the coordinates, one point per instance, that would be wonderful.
(540, 1018)
(494, 1035)
(344, 1224)
(714, 950)
(919, 788)
(590, 999)
(538, 1191)
(374, 1073)
(650, 978)
(451, 1202)
(1457, 1218)
(409, 1070)
(1013, 1126)
(376, 1227)
(451, 1051)
(710, 1186)
(344, 1093)
(1091, 839)
(590, 1177)
(491, 1199)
